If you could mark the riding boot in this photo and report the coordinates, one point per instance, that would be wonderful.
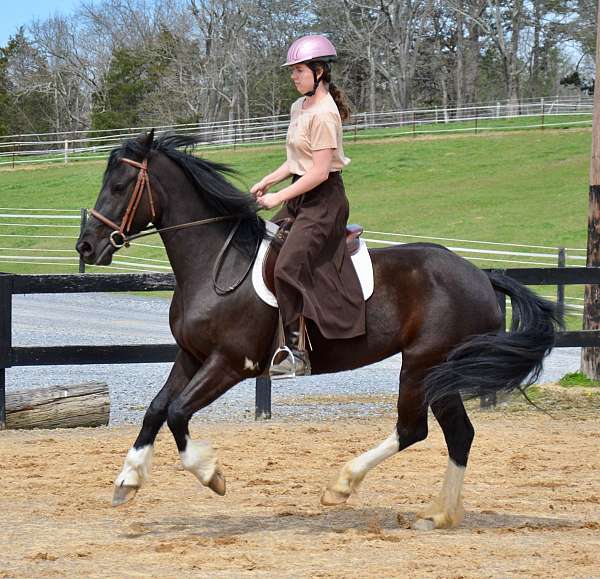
(295, 361)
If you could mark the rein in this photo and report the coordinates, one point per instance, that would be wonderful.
(143, 185)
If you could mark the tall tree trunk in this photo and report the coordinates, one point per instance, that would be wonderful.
(534, 76)
(513, 62)
(472, 52)
(459, 70)
(372, 79)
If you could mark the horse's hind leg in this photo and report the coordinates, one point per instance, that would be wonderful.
(137, 462)
(410, 428)
(447, 511)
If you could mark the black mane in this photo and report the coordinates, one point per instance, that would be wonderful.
(207, 177)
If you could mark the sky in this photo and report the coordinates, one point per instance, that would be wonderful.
(15, 13)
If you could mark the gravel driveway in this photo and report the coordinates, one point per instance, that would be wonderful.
(69, 319)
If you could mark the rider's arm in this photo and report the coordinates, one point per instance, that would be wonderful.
(280, 174)
(316, 175)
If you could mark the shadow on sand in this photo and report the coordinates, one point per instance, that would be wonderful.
(343, 519)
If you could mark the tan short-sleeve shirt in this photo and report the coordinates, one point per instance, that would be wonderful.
(314, 129)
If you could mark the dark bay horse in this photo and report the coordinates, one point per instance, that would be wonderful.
(435, 307)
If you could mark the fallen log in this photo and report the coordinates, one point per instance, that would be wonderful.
(58, 406)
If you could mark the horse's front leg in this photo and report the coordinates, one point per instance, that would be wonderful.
(136, 469)
(214, 378)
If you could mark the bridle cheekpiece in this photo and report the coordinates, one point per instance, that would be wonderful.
(142, 184)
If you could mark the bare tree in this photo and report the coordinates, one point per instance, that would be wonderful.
(220, 59)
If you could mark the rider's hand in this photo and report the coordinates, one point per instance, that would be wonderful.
(269, 201)
(259, 189)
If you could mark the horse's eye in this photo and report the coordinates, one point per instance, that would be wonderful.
(119, 187)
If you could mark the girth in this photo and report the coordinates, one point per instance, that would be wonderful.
(353, 233)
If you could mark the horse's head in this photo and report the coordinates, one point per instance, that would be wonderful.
(125, 204)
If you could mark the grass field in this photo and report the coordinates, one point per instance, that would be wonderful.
(525, 187)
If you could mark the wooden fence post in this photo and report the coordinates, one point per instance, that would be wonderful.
(81, 228)
(543, 116)
(5, 340)
(560, 288)
(263, 398)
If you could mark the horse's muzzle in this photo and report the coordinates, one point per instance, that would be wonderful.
(89, 255)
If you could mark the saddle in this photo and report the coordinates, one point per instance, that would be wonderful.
(353, 233)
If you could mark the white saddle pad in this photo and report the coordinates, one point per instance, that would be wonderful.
(361, 261)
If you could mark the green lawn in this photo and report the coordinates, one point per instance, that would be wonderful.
(518, 187)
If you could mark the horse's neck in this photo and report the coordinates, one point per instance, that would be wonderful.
(191, 250)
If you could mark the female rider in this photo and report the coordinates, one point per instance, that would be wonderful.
(314, 276)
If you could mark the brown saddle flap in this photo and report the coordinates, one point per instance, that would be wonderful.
(353, 233)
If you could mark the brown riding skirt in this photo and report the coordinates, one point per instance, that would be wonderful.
(314, 275)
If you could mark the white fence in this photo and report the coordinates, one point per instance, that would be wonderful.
(43, 241)
(78, 145)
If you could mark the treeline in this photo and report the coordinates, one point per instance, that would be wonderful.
(127, 63)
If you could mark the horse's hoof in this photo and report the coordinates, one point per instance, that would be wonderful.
(217, 483)
(331, 498)
(124, 494)
(423, 525)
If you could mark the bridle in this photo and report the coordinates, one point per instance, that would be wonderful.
(143, 184)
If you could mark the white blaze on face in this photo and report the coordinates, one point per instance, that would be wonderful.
(136, 469)
(200, 459)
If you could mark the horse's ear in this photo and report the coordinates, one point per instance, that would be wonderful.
(147, 140)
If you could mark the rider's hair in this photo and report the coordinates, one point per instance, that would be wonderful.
(337, 94)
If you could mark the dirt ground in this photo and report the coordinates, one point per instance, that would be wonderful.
(532, 495)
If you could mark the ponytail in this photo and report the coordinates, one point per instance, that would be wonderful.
(341, 101)
(336, 93)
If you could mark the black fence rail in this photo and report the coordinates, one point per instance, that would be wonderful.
(11, 284)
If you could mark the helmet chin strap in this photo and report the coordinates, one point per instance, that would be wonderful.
(316, 84)
(316, 80)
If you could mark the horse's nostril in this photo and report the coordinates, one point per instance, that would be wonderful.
(84, 248)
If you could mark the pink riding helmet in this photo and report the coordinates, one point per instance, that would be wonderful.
(311, 47)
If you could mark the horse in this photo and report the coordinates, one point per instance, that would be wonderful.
(437, 309)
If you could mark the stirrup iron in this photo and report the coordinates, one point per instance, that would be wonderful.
(290, 354)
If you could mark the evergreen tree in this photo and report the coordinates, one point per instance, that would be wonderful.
(130, 79)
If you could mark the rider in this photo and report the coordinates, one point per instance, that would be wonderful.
(314, 276)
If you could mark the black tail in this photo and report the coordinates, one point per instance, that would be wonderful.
(502, 361)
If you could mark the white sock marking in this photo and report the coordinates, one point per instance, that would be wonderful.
(362, 464)
(200, 459)
(446, 511)
(354, 471)
(450, 494)
(136, 469)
